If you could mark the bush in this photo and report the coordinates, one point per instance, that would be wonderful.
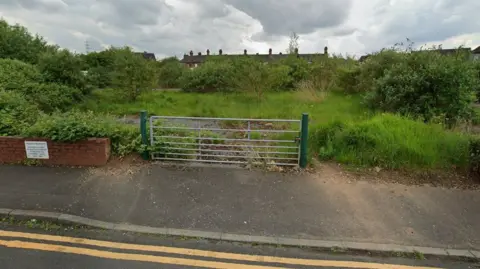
(14, 74)
(279, 78)
(74, 126)
(99, 77)
(17, 43)
(348, 79)
(65, 68)
(376, 65)
(299, 69)
(427, 85)
(16, 113)
(132, 74)
(51, 96)
(170, 71)
(474, 157)
(392, 142)
(209, 77)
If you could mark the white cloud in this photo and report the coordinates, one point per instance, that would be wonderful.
(174, 27)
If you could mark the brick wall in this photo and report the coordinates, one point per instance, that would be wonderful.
(91, 152)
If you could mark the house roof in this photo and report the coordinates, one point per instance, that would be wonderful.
(363, 58)
(147, 55)
(477, 50)
(193, 59)
(452, 51)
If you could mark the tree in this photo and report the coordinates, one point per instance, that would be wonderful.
(17, 43)
(293, 43)
(170, 70)
(63, 67)
(132, 74)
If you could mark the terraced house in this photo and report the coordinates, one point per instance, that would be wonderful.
(191, 60)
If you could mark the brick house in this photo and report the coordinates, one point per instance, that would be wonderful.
(476, 54)
(190, 60)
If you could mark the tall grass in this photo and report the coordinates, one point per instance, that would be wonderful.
(390, 141)
(286, 105)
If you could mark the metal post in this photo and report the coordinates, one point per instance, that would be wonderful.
(303, 141)
(143, 132)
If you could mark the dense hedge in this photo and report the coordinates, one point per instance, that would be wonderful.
(14, 73)
(16, 113)
(76, 125)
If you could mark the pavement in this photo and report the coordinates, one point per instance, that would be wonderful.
(31, 247)
(256, 203)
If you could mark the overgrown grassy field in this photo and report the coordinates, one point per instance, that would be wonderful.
(286, 105)
(391, 141)
(341, 128)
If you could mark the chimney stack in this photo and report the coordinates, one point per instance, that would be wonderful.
(325, 50)
(191, 53)
(208, 52)
(244, 52)
(220, 52)
(270, 52)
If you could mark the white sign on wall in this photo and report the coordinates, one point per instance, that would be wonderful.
(36, 149)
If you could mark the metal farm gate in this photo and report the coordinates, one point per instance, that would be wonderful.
(280, 142)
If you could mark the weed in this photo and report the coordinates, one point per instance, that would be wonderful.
(418, 255)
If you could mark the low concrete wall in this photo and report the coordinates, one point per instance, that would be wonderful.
(90, 152)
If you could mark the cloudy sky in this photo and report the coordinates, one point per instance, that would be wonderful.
(174, 27)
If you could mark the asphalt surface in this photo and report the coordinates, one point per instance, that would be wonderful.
(250, 202)
(106, 252)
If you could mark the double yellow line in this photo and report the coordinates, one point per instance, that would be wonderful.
(233, 263)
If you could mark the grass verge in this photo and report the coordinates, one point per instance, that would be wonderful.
(391, 141)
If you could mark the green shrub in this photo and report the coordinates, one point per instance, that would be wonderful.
(392, 142)
(209, 77)
(16, 113)
(279, 78)
(170, 71)
(427, 85)
(476, 66)
(132, 74)
(474, 157)
(51, 96)
(17, 43)
(348, 79)
(65, 68)
(376, 65)
(99, 77)
(74, 126)
(99, 67)
(299, 69)
(14, 74)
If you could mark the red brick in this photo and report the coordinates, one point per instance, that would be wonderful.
(90, 152)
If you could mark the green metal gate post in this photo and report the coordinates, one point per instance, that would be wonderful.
(303, 141)
(143, 132)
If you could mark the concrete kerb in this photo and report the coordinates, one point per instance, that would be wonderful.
(252, 239)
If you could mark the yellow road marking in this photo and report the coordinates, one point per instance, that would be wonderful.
(126, 256)
(205, 253)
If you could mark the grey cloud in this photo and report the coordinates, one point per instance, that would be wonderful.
(173, 27)
(281, 17)
(433, 21)
(48, 6)
(127, 13)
